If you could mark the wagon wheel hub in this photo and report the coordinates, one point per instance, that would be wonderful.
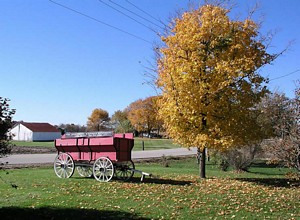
(102, 169)
(63, 166)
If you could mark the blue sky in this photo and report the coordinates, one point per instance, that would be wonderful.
(57, 66)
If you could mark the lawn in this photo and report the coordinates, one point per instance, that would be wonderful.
(149, 144)
(153, 144)
(175, 192)
(34, 144)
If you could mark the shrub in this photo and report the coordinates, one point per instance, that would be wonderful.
(239, 158)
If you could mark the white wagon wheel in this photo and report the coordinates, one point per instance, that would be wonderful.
(124, 170)
(103, 169)
(85, 171)
(64, 165)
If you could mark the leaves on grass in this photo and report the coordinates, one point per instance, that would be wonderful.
(170, 197)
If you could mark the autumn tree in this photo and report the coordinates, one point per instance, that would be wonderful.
(158, 120)
(208, 73)
(143, 114)
(6, 114)
(98, 120)
(121, 122)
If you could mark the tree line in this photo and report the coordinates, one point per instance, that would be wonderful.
(140, 116)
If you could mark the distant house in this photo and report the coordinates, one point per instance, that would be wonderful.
(25, 131)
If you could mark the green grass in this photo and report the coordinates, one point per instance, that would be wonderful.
(149, 144)
(175, 192)
(34, 144)
(153, 144)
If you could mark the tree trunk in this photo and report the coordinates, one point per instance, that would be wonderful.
(202, 164)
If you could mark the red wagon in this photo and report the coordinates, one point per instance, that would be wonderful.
(99, 154)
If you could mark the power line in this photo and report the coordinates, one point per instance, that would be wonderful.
(126, 15)
(284, 75)
(132, 12)
(99, 21)
(145, 12)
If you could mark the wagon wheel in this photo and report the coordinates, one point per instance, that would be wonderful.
(85, 171)
(103, 169)
(64, 165)
(124, 170)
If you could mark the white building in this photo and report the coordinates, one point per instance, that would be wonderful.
(25, 131)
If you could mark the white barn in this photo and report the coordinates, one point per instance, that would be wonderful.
(25, 131)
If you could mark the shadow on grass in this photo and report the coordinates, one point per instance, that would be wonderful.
(264, 164)
(52, 213)
(272, 182)
(155, 180)
(266, 173)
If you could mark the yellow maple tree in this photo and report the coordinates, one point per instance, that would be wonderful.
(208, 74)
(143, 114)
(97, 120)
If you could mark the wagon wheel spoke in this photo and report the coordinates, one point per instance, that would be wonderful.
(125, 170)
(103, 169)
(64, 165)
(125, 175)
(58, 161)
(60, 172)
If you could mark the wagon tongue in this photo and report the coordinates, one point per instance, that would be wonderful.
(88, 134)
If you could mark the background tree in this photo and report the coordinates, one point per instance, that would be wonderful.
(158, 120)
(283, 114)
(143, 114)
(276, 113)
(208, 74)
(71, 128)
(121, 122)
(98, 120)
(6, 123)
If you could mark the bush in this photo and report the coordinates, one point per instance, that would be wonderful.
(164, 161)
(239, 158)
(5, 147)
(284, 151)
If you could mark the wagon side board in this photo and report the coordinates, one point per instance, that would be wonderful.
(123, 148)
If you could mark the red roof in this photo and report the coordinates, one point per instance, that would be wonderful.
(39, 127)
